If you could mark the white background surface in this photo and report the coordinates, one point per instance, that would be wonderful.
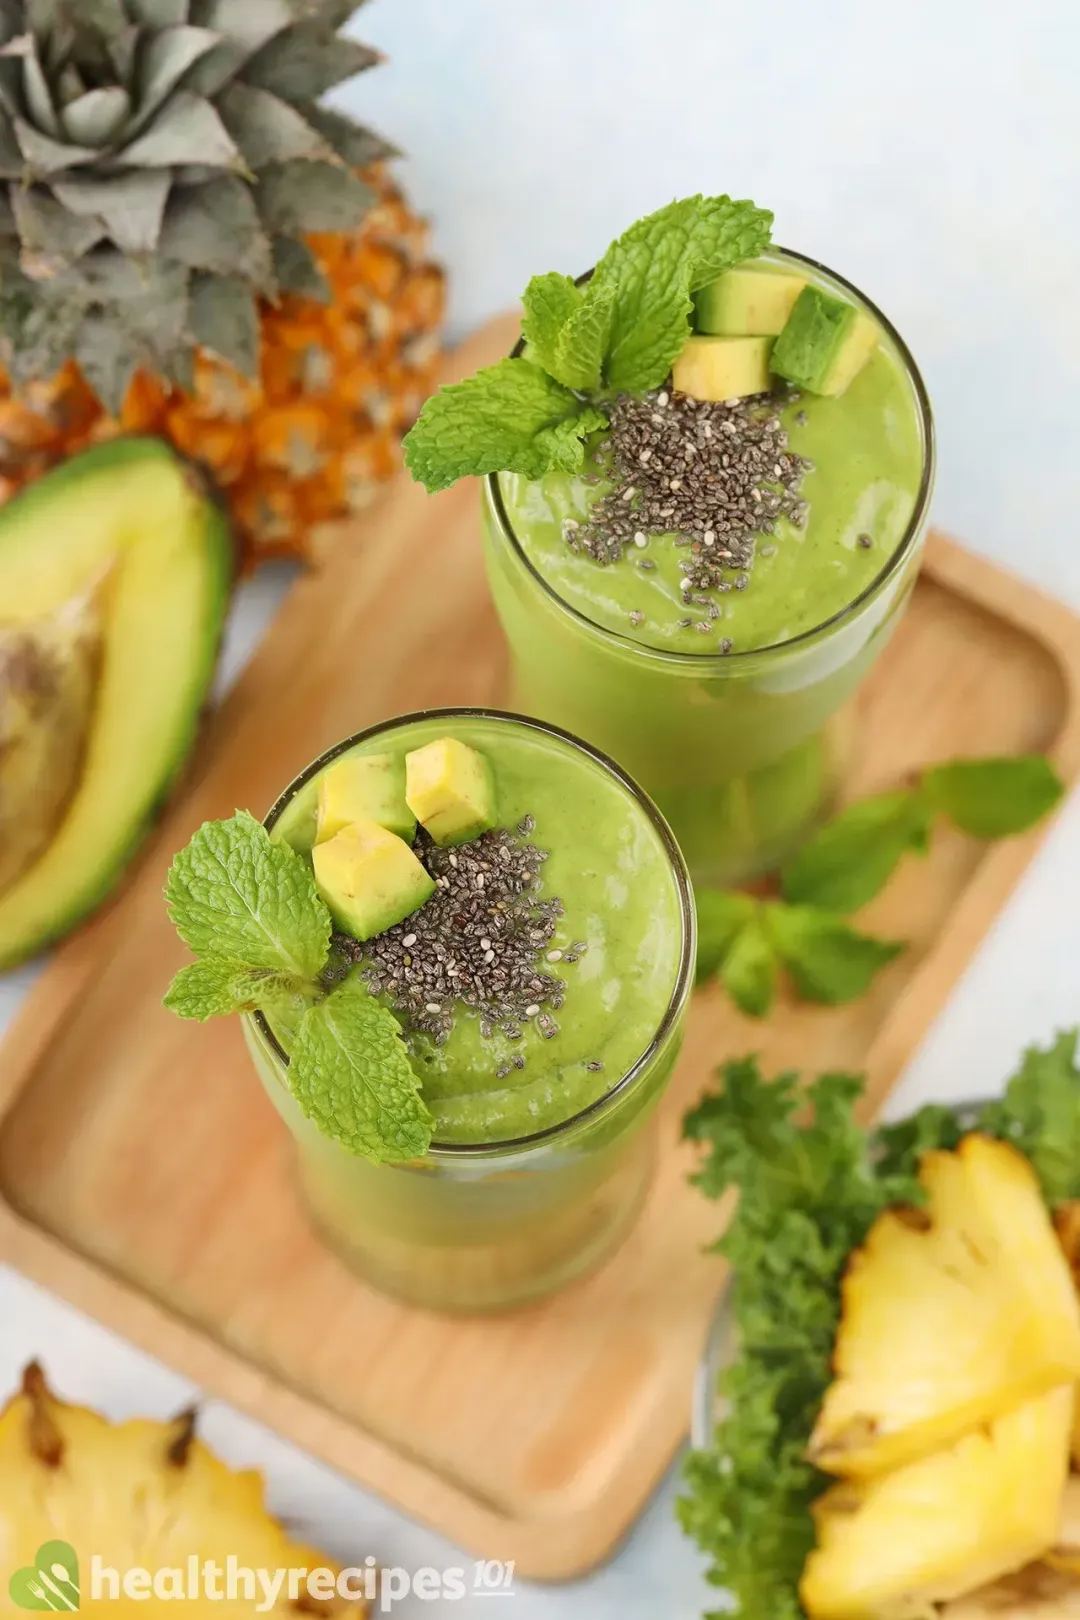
(931, 152)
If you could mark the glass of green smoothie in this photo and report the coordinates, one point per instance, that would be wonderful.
(518, 914)
(704, 588)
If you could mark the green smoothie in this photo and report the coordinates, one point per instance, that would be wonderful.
(730, 701)
(542, 1149)
(616, 947)
(866, 452)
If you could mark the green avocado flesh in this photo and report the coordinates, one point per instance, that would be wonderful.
(115, 570)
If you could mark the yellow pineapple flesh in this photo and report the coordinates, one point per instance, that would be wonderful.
(952, 1315)
(892, 1547)
(138, 1496)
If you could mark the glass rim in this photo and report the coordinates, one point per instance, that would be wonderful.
(683, 980)
(887, 572)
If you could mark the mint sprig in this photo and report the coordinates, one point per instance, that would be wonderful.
(512, 417)
(250, 909)
(746, 942)
(655, 268)
(215, 986)
(234, 894)
(619, 334)
(351, 1074)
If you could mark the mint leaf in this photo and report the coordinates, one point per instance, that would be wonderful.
(748, 971)
(233, 893)
(655, 266)
(204, 989)
(827, 959)
(850, 860)
(583, 343)
(561, 446)
(511, 417)
(549, 303)
(215, 986)
(1040, 1114)
(994, 798)
(721, 914)
(350, 1073)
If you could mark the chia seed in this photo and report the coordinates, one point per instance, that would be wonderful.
(866, 541)
(715, 477)
(480, 942)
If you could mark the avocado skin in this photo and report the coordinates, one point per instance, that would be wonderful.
(117, 455)
(809, 342)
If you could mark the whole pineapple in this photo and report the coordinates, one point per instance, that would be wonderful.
(191, 245)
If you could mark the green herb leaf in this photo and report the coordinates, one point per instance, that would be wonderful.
(655, 266)
(214, 987)
(721, 914)
(351, 1074)
(511, 417)
(808, 1195)
(828, 960)
(749, 970)
(899, 1147)
(583, 343)
(234, 894)
(549, 303)
(852, 858)
(994, 798)
(1040, 1114)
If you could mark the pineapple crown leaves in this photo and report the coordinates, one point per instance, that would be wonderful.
(160, 163)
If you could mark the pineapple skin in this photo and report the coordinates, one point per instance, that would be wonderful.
(951, 1316)
(308, 443)
(939, 1528)
(1037, 1593)
(138, 1495)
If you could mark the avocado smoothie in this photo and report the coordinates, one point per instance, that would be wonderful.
(727, 699)
(707, 468)
(540, 982)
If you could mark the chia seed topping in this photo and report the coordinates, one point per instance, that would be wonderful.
(478, 943)
(715, 475)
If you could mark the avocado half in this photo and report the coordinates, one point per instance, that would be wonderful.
(129, 528)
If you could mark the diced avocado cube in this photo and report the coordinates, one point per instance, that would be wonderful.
(369, 878)
(719, 368)
(449, 787)
(747, 302)
(364, 787)
(825, 343)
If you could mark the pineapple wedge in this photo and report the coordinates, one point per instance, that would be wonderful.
(1067, 1226)
(138, 1495)
(936, 1529)
(1037, 1593)
(952, 1315)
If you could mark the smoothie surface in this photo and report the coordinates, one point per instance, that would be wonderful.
(867, 452)
(608, 865)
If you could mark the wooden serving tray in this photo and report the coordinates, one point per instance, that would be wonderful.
(145, 1178)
